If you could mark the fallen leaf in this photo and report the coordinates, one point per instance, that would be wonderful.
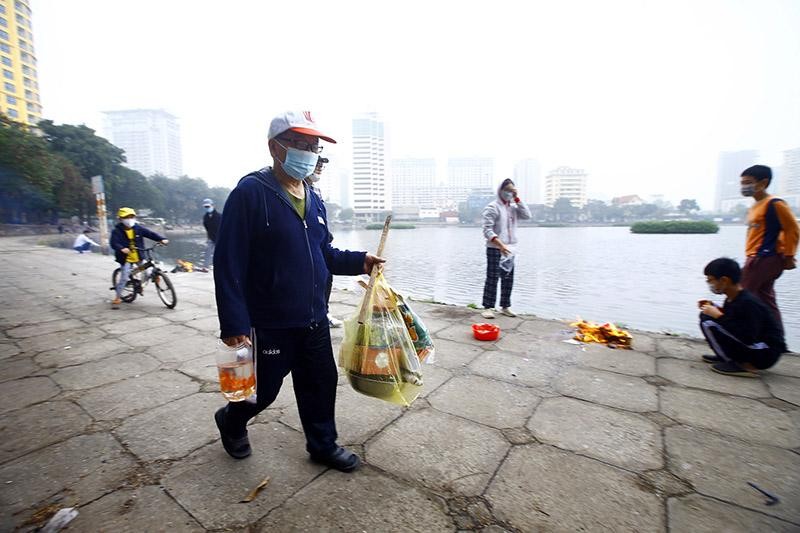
(253, 493)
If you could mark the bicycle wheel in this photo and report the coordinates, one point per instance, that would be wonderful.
(128, 291)
(165, 290)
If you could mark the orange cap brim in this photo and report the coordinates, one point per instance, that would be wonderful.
(315, 133)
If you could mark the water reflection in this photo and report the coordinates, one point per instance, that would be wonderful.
(649, 282)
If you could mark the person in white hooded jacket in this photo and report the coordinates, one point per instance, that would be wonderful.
(500, 231)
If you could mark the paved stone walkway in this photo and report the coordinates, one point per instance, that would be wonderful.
(111, 411)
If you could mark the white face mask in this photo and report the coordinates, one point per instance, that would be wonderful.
(129, 222)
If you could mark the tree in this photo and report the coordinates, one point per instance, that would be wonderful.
(183, 197)
(91, 154)
(595, 211)
(346, 215)
(34, 182)
(686, 206)
(564, 210)
(132, 189)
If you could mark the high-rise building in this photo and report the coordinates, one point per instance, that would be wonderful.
(790, 189)
(729, 170)
(20, 100)
(527, 180)
(470, 172)
(371, 191)
(565, 182)
(412, 180)
(151, 139)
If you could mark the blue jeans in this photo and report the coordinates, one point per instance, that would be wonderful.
(208, 259)
(124, 274)
(85, 247)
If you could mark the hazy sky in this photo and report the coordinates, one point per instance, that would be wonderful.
(642, 94)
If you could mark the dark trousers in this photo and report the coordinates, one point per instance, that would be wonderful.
(493, 272)
(328, 289)
(759, 275)
(727, 346)
(308, 355)
(85, 247)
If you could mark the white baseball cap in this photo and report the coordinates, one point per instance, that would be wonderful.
(299, 121)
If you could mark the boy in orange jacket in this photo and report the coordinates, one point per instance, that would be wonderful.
(772, 235)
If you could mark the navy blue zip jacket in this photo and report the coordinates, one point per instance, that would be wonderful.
(270, 265)
(119, 240)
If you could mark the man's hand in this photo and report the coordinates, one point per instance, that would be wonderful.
(125, 251)
(789, 263)
(711, 310)
(165, 242)
(505, 250)
(370, 261)
(237, 340)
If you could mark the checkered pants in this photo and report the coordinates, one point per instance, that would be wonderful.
(493, 272)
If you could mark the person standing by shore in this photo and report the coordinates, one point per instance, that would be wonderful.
(500, 231)
(772, 237)
(211, 221)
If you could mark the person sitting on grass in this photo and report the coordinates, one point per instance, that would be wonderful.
(744, 333)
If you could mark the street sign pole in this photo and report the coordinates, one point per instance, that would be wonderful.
(100, 203)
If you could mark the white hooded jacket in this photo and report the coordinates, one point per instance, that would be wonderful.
(500, 220)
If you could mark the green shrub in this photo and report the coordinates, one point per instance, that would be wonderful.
(675, 226)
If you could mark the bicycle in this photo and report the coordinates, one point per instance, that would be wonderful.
(142, 274)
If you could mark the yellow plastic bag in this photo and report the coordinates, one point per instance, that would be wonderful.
(377, 353)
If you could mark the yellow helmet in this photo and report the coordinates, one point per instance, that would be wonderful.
(125, 212)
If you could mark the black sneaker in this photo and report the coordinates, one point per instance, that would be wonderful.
(238, 448)
(340, 459)
(713, 359)
(732, 369)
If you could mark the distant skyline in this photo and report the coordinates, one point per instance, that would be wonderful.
(642, 95)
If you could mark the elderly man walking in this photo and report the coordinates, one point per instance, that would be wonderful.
(272, 261)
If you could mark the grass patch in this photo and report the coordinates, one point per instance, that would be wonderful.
(675, 226)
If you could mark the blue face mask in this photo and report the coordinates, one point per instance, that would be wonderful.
(507, 195)
(299, 164)
(748, 190)
(209, 209)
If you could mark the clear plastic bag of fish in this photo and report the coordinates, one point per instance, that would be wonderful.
(507, 261)
(378, 354)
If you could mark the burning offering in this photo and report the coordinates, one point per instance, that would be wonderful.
(607, 334)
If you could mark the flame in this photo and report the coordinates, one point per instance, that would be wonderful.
(607, 333)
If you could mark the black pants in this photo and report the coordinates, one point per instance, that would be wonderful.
(759, 275)
(727, 346)
(308, 355)
(493, 272)
(328, 289)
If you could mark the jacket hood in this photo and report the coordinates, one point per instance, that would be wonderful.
(500, 188)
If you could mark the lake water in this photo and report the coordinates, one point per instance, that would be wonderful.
(648, 282)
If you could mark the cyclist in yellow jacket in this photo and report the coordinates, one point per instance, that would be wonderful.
(126, 240)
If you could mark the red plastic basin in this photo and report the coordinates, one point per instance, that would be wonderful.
(486, 332)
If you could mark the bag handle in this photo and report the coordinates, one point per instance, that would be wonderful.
(362, 316)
